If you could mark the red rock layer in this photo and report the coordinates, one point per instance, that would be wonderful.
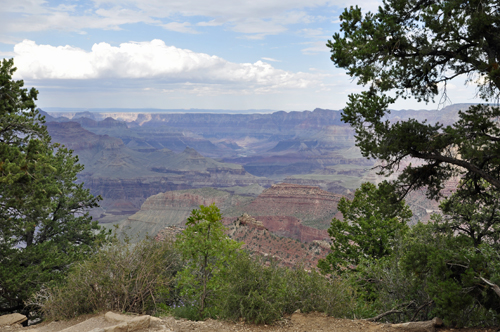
(290, 227)
(299, 201)
(286, 251)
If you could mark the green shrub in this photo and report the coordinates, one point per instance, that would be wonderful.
(189, 312)
(263, 294)
(450, 267)
(121, 277)
(382, 285)
(430, 273)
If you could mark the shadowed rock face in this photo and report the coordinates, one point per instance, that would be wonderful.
(74, 137)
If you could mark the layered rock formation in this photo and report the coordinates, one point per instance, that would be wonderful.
(131, 156)
(282, 226)
(306, 203)
(259, 241)
(74, 137)
(272, 210)
(173, 207)
(291, 227)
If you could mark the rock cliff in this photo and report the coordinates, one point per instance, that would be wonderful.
(173, 207)
(312, 205)
(259, 241)
(283, 226)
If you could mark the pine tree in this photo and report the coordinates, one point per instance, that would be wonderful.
(44, 226)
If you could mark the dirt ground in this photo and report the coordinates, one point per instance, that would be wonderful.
(296, 323)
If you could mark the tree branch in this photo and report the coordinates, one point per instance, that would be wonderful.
(468, 166)
(493, 286)
(390, 312)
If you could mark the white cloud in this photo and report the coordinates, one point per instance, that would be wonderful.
(153, 61)
(212, 23)
(179, 27)
(257, 18)
(315, 47)
(270, 59)
(7, 54)
(314, 33)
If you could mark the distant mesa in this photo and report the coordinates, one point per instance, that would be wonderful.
(308, 203)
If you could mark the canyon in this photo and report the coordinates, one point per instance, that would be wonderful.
(285, 170)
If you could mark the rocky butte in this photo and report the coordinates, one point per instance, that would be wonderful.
(172, 208)
(309, 205)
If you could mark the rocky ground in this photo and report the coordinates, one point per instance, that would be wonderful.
(298, 322)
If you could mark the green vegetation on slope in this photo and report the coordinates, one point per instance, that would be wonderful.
(202, 275)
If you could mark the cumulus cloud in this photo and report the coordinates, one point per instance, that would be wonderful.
(151, 60)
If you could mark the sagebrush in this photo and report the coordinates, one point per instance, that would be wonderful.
(263, 294)
(121, 276)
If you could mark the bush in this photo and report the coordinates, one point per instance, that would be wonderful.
(121, 277)
(263, 294)
(430, 273)
(382, 285)
(450, 267)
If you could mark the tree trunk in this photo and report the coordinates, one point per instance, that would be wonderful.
(427, 326)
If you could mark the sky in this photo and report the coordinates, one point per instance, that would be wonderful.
(182, 54)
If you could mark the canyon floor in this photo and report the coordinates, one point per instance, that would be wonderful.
(298, 322)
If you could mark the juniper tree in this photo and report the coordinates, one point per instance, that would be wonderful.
(408, 49)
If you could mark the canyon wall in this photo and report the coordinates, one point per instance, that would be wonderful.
(311, 205)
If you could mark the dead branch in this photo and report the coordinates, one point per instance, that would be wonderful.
(455, 264)
(390, 312)
(426, 326)
(387, 313)
(493, 286)
(420, 308)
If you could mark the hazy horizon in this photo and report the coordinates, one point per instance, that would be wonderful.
(200, 110)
